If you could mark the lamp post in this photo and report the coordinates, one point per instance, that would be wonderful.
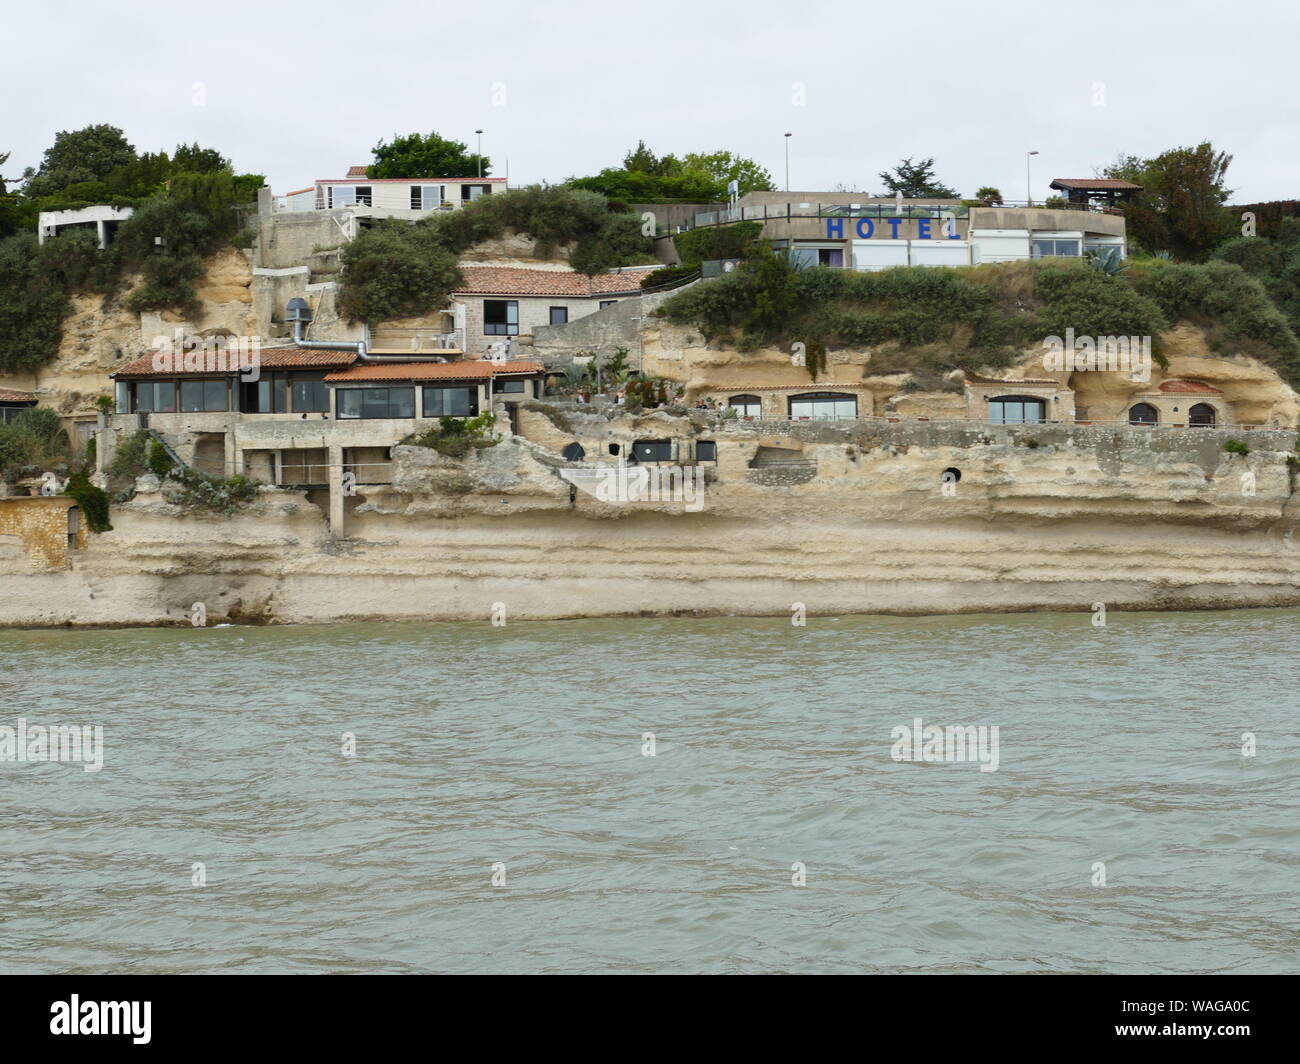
(479, 150)
(1029, 188)
(787, 161)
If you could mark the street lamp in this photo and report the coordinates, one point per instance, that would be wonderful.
(1029, 188)
(787, 161)
(479, 150)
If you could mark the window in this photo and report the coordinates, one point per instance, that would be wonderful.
(376, 402)
(1045, 248)
(1016, 410)
(123, 397)
(203, 395)
(706, 451)
(500, 317)
(156, 397)
(746, 405)
(473, 192)
(310, 395)
(652, 451)
(607, 303)
(1201, 416)
(450, 402)
(426, 197)
(508, 387)
(363, 194)
(10, 411)
(559, 315)
(1143, 414)
(342, 195)
(823, 405)
(802, 257)
(270, 395)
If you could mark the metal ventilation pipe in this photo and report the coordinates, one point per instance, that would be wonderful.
(299, 313)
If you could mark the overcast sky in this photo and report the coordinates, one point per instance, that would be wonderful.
(301, 91)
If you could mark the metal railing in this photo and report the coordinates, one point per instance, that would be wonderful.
(788, 211)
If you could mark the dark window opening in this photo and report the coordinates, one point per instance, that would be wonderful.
(575, 452)
(1143, 414)
(951, 474)
(746, 405)
(450, 402)
(652, 451)
(706, 451)
(376, 402)
(559, 315)
(501, 317)
(1201, 416)
(508, 387)
(204, 395)
(1017, 410)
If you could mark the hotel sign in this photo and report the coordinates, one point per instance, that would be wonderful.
(867, 228)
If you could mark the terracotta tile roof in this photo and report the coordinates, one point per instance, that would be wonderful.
(356, 171)
(1102, 183)
(466, 370)
(1189, 387)
(520, 281)
(270, 358)
(8, 396)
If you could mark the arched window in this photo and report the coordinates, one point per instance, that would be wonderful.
(823, 405)
(1143, 414)
(746, 405)
(1016, 410)
(574, 452)
(1201, 416)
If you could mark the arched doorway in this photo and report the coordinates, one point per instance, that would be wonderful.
(1201, 416)
(1143, 414)
(574, 452)
(746, 405)
(1017, 410)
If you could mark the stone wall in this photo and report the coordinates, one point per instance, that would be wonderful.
(37, 527)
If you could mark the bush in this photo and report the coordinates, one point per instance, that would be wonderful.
(396, 270)
(204, 491)
(456, 437)
(159, 463)
(92, 500)
(716, 242)
(131, 458)
(1236, 447)
(668, 275)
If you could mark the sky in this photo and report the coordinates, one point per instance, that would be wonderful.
(302, 91)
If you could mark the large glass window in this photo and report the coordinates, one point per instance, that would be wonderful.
(1045, 248)
(500, 317)
(204, 395)
(746, 405)
(1201, 416)
(376, 402)
(310, 395)
(269, 395)
(450, 402)
(426, 197)
(652, 451)
(823, 405)
(155, 397)
(473, 192)
(1016, 410)
(508, 387)
(1143, 414)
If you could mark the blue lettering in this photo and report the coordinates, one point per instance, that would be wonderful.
(871, 228)
(834, 228)
(894, 223)
(923, 228)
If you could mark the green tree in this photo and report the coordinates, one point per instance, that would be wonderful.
(989, 196)
(396, 270)
(1181, 206)
(697, 177)
(417, 155)
(191, 159)
(89, 154)
(915, 181)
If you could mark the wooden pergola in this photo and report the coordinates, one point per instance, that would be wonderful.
(1099, 191)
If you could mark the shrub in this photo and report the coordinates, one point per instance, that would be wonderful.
(92, 500)
(716, 242)
(456, 437)
(1236, 447)
(159, 463)
(668, 275)
(204, 491)
(396, 270)
(131, 458)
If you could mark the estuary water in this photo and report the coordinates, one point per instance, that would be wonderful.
(228, 830)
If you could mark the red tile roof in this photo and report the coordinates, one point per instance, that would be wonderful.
(467, 370)
(410, 180)
(356, 171)
(8, 396)
(1102, 183)
(975, 378)
(269, 358)
(1189, 387)
(520, 281)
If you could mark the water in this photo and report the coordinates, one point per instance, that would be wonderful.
(523, 745)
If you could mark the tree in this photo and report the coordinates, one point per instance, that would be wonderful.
(89, 154)
(191, 159)
(396, 270)
(1180, 207)
(416, 155)
(989, 196)
(915, 181)
(700, 177)
(10, 218)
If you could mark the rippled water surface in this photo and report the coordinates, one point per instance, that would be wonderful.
(523, 745)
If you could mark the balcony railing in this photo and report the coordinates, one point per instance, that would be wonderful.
(788, 211)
